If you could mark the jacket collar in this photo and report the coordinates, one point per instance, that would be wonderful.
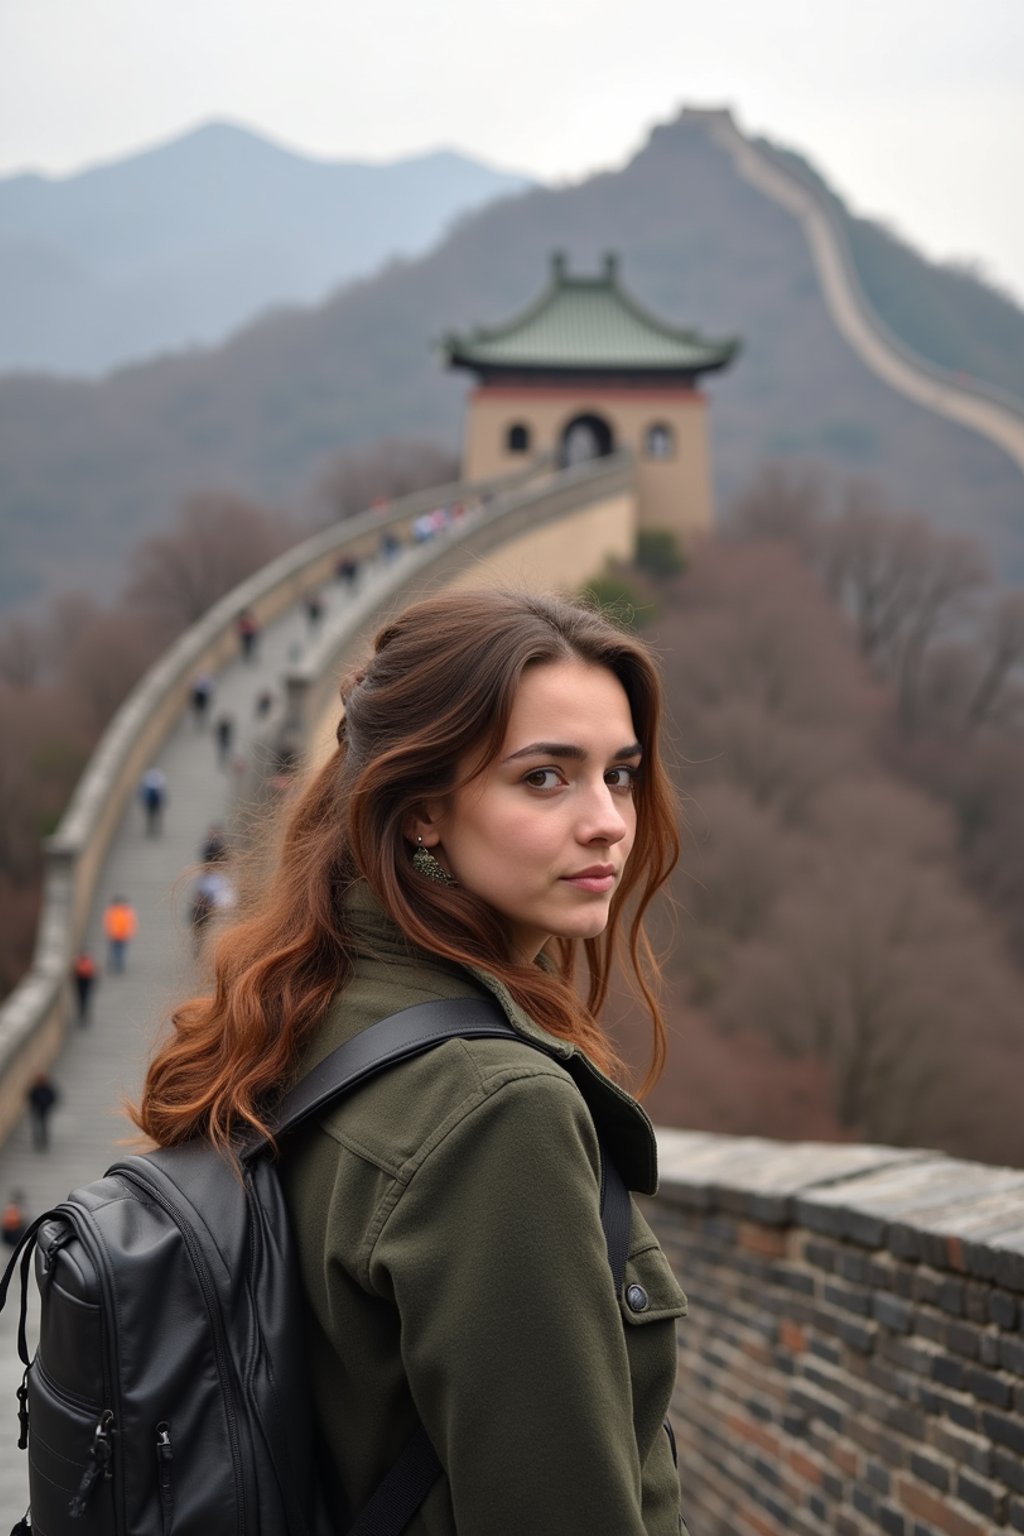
(622, 1125)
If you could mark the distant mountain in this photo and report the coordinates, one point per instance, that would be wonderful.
(180, 245)
(87, 469)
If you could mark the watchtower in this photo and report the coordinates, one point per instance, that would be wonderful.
(584, 371)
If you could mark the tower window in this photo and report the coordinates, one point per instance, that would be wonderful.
(660, 441)
(518, 439)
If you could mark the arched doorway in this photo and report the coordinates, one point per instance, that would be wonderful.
(586, 437)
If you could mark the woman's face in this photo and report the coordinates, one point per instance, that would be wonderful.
(544, 832)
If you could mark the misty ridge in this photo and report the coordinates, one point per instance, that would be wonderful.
(179, 245)
(90, 468)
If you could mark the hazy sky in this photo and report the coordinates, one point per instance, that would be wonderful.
(914, 109)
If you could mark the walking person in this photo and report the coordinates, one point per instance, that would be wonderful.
(153, 794)
(42, 1096)
(214, 848)
(495, 820)
(14, 1219)
(314, 612)
(120, 925)
(224, 733)
(83, 975)
(200, 696)
(248, 631)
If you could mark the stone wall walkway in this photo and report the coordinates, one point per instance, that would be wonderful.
(103, 1063)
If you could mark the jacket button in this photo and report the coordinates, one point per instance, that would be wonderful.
(637, 1299)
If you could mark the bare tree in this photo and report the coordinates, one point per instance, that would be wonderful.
(363, 477)
(1001, 644)
(875, 962)
(784, 503)
(218, 540)
(22, 653)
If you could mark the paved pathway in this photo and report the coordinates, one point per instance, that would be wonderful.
(104, 1062)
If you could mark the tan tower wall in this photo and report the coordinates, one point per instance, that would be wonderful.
(673, 492)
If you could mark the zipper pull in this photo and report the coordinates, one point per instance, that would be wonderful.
(99, 1466)
(23, 1414)
(164, 1457)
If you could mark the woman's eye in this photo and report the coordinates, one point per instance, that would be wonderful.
(543, 778)
(623, 777)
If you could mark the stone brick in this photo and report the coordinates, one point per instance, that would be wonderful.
(940, 1513)
(863, 1500)
(809, 1471)
(1003, 1309)
(951, 1296)
(976, 1301)
(925, 1287)
(848, 1299)
(948, 1371)
(855, 1267)
(988, 1349)
(824, 1349)
(755, 1238)
(1016, 1514)
(930, 1471)
(893, 1313)
(912, 1354)
(965, 1450)
(821, 1255)
(988, 1499)
(792, 1337)
(962, 1340)
(891, 1521)
(859, 1336)
(929, 1325)
(990, 1389)
(1009, 1469)
(1005, 1431)
(878, 1476)
(833, 1486)
(1011, 1355)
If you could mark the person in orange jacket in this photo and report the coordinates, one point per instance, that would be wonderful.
(120, 926)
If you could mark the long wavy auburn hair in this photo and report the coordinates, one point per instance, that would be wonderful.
(428, 711)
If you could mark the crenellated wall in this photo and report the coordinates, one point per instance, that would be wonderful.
(853, 1358)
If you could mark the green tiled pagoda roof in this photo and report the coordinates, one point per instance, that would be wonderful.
(587, 324)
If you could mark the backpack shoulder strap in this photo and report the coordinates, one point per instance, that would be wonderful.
(409, 1033)
(396, 1038)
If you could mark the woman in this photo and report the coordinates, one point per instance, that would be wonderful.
(496, 812)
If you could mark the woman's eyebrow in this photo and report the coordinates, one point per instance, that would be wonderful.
(567, 750)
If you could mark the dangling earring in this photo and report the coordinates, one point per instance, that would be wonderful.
(429, 867)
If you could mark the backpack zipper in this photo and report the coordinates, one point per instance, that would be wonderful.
(98, 1465)
(164, 1457)
(220, 1349)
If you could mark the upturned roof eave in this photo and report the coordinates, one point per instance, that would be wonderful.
(714, 359)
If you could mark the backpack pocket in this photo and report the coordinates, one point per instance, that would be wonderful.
(70, 1452)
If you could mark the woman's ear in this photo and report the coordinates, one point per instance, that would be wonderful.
(420, 826)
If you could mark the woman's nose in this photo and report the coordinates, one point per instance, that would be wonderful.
(604, 820)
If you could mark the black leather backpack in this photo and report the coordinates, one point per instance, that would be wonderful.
(168, 1394)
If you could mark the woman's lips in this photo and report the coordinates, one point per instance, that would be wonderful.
(599, 879)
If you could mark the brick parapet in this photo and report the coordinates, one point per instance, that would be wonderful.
(853, 1360)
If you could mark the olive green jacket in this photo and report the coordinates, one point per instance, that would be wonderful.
(448, 1223)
